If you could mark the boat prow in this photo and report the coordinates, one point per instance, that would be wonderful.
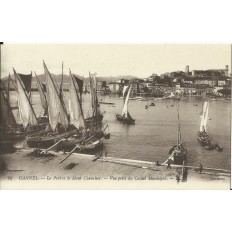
(204, 138)
(178, 154)
(90, 146)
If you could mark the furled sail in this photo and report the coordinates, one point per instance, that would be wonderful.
(56, 111)
(125, 107)
(76, 113)
(41, 89)
(26, 112)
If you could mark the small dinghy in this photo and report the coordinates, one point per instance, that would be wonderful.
(218, 147)
(125, 116)
(210, 147)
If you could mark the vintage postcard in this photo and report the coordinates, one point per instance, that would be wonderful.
(115, 116)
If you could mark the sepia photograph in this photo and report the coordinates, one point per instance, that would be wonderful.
(115, 116)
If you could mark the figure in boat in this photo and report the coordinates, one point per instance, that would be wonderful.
(125, 117)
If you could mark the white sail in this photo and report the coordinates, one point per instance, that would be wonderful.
(76, 113)
(56, 111)
(206, 115)
(125, 107)
(26, 112)
(202, 124)
(125, 87)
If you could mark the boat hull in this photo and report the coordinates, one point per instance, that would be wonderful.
(21, 134)
(129, 121)
(91, 146)
(219, 148)
(94, 121)
(204, 139)
(179, 154)
(45, 141)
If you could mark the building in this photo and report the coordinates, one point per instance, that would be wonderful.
(113, 87)
(101, 85)
(205, 81)
(221, 82)
(211, 72)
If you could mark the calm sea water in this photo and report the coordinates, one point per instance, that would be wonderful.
(155, 129)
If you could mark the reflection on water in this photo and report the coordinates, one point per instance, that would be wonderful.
(155, 129)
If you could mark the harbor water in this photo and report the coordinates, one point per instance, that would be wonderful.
(155, 129)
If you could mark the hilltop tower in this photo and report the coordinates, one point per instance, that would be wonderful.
(227, 70)
(187, 70)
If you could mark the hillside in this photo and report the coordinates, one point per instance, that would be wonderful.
(66, 79)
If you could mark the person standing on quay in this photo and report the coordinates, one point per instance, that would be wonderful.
(169, 164)
(200, 169)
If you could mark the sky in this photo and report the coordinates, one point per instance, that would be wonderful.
(113, 60)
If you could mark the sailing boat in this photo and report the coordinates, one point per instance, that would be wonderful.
(29, 123)
(125, 116)
(87, 139)
(203, 137)
(177, 154)
(58, 127)
(97, 116)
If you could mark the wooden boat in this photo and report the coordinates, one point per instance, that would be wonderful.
(210, 146)
(125, 116)
(30, 123)
(89, 138)
(219, 148)
(152, 104)
(203, 137)
(46, 140)
(107, 103)
(92, 145)
(58, 126)
(178, 153)
(127, 120)
(94, 120)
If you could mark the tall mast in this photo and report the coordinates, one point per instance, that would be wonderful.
(14, 84)
(61, 84)
(178, 131)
